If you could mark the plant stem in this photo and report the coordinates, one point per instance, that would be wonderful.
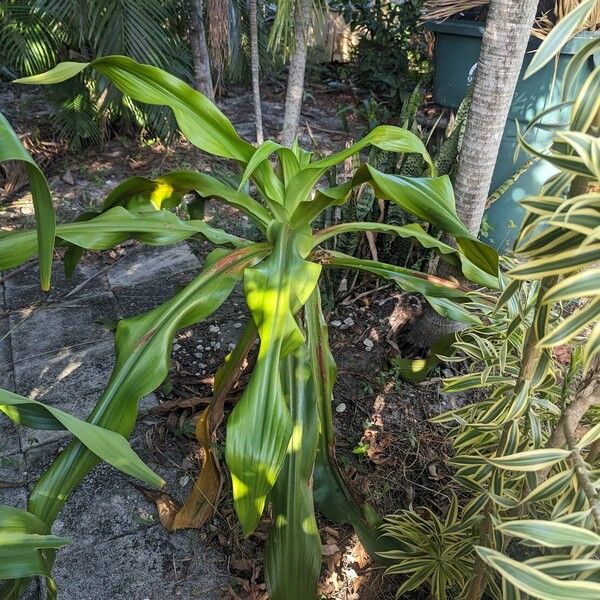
(582, 474)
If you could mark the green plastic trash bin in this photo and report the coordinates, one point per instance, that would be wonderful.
(456, 52)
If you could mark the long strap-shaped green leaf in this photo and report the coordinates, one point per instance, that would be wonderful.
(432, 200)
(200, 121)
(441, 294)
(112, 228)
(107, 445)
(408, 279)
(293, 552)
(445, 251)
(143, 349)
(385, 137)
(330, 491)
(168, 190)
(11, 149)
(23, 538)
(260, 426)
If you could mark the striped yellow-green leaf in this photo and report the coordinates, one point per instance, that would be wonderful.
(23, 538)
(472, 381)
(260, 426)
(583, 219)
(590, 437)
(143, 350)
(576, 64)
(12, 149)
(550, 488)
(534, 582)
(565, 566)
(293, 551)
(587, 102)
(587, 147)
(550, 534)
(592, 346)
(509, 591)
(107, 445)
(572, 325)
(530, 460)
(519, 404)
(580, 285)
(558, 264)
(559, 36)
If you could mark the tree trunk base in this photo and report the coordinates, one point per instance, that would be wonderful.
(423, 332)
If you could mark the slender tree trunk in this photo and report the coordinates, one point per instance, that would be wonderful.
(295, 89)
(255, 64)
(507, 32)
(503, 47)
(200, 55)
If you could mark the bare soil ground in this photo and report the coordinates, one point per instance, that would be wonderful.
(387, 449)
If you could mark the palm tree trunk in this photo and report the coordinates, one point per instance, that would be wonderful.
(507, 32)
(255, 67)
(200, 55)
(295, 89)
(505, 39)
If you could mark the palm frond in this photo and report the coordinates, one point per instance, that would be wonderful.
(29, 40)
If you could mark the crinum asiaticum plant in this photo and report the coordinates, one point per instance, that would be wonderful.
(279, 442)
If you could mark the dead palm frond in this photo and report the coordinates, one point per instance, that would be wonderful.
(439, 10)
(217, 13)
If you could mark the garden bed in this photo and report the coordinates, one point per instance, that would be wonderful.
(387, 449)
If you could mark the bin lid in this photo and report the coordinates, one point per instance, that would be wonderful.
(468, 28)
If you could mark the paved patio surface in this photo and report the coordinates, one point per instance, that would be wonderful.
(59, 349)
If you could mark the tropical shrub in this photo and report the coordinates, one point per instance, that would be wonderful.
(279, 444)
(527, 455)
(390, 55)
(438, 553)
(37, 34)
(363, 205)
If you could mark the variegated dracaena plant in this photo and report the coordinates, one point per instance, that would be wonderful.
(279, 442)
(531, 469)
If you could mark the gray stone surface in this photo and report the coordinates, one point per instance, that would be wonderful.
(23, 289)
(6, 358)
(60, 350)
(152, 264)
(150, 564)
(9, 438)
(70, 379)
(72, 324)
